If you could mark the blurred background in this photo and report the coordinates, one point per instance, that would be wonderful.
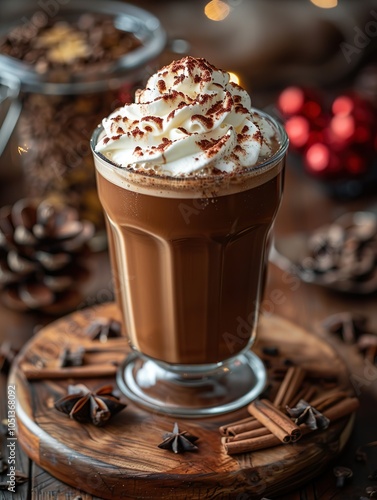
(269, 42)
(328, 45)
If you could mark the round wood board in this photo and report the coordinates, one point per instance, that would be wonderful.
(122, 459)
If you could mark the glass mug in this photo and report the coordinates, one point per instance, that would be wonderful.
(188, 259)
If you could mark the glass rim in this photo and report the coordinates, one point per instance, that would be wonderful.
(275, 158)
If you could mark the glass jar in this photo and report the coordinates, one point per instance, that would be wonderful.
(98, 53)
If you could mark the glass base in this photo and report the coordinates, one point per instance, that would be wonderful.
(192, 391)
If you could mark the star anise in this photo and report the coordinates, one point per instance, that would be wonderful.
(346, 324)
(303, 413)
(342, 474)
(72, 358)
(103, 329)
(177, 441)
(85, 406)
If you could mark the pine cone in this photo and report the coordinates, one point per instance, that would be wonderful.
(40, 249)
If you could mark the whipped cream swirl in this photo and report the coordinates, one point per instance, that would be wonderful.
(190, 119)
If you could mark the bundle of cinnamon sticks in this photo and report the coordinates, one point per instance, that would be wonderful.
(269, 424)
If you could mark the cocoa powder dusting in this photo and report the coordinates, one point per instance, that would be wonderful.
(138, 151)
(137, 132)
(164, 144)
(155, 119)
(161, 86)
(179, 79)
(211, 146)
(205, 120)
(258, 136)
(238, 149)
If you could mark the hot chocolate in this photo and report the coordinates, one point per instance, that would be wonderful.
(188, 267)
(190, 178)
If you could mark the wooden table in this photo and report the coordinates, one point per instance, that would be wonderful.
(304, 206)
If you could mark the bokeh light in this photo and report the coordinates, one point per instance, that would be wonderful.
(325, 4)
(234, 77)
(216, 10)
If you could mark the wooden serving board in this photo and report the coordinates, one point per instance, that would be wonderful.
(122, 460)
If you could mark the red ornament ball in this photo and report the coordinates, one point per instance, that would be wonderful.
(336, 141)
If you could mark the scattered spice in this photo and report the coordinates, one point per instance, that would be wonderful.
(342, 474)
(270, 351)
(343, 254)
(353, 329)
(304, 413)
(367, 345)
(349, 326)
(373, 476)
(102, 329)
(72, 358)
(178, 441)
(252, 433)
(371, 491)
(85, 406)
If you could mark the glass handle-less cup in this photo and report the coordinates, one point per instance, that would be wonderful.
(188, 263)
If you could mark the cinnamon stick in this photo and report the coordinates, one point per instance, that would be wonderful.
(253, 444)
(240, 427)
(342, 408)
(86, 371)
(306, 393)
(328, 399)
(290, 385)
(275, 420)
(261, 431)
